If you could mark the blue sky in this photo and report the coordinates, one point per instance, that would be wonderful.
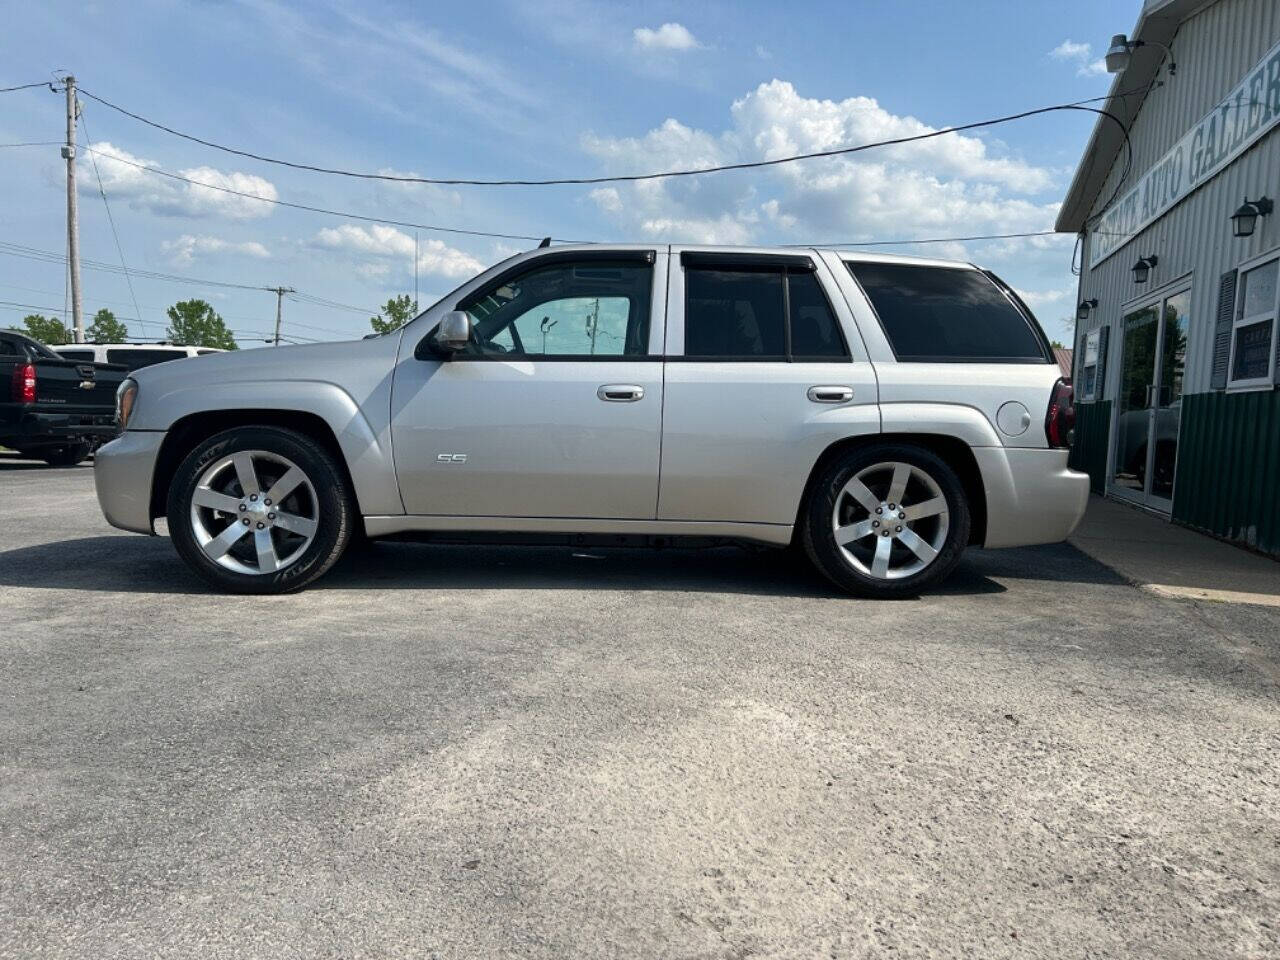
(532, 89)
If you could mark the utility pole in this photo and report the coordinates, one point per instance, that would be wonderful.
(415, 271)
(73, 217)
(279, 292)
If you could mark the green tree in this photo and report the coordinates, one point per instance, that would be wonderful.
(195, 323)
(45, 329)
(396, 312)
(106, 328)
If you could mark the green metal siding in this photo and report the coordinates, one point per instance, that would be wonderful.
(1228, 476)
(1089, 446)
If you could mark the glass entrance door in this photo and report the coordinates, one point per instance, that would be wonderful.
(1149, 404)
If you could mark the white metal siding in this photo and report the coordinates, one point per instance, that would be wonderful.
(1214, 49)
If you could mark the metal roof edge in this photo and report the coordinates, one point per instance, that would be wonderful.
(1157, 22)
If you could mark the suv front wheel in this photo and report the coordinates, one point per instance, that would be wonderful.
(886, 520)
(260, 510)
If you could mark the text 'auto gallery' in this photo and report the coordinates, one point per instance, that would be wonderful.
(1177, 354)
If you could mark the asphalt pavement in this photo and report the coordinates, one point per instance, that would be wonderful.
(455, 752)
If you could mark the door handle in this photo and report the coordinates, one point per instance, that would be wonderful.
(831, 394)
(620, 392)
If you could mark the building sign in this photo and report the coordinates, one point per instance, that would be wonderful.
(1244, 115)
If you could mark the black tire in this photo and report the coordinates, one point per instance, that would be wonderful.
(66, 456)
(818, 525)
(336, 514)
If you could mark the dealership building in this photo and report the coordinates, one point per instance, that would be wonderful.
(1177, 352)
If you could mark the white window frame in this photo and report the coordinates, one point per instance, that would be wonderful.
(1238, 320)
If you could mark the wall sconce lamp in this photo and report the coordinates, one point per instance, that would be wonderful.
(1142, 269)
(1082, 312)
(1245, 220)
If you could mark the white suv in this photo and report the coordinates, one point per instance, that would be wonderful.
(881, 412)
(132, 355)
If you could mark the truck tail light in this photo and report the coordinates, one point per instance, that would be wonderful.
(1060, 420)
(24, 383)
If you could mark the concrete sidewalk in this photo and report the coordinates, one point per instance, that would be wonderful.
(1173, 561)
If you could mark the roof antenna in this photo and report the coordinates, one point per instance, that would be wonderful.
(546, 242)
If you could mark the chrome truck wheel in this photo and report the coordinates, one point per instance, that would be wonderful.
(254, 512)
(260, 510)
(890, 520)
(886, 520)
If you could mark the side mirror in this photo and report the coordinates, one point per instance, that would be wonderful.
(453, 334)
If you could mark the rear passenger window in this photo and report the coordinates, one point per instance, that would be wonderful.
(758, 314)
(732, 313)
(815, 334)
(75, 354)
(946, 314)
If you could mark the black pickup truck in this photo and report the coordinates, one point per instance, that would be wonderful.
(53, 409)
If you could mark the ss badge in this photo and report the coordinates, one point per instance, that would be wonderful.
(451, 458)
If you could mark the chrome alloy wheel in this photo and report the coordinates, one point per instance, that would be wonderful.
(890, 520)
(254, 512)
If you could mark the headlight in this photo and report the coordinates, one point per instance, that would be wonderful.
(126, 395)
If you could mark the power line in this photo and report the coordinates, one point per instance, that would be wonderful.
(112, 220)
(33, 143)
(437, 228)
(260, 334)
(507, 236)
(31, 253)
(27, 86)
(894, 243)
(45, 256)
(626, 178)
(150, 306)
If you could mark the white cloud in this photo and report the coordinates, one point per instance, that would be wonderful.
(951, 184)
(430, 192)
(373, 271)
(607, 199)
(123, 178)
(434, 256)
(1070, 50)
(669, 37)
(185, 249)
(1079, 53)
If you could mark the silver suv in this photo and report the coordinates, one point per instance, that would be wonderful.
(880, 413)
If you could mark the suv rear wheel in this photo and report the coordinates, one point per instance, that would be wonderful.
(260, 510)
(886, 520)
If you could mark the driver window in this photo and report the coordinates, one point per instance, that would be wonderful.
(590, 308)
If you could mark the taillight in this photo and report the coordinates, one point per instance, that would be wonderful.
(1060, 420)
(24, 383)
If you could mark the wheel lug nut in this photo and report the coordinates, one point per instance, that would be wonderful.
(243, 507)
(879, 510)
(891, 507)
(267, 502)
(875, 523)
(902, 516)
(271, 516)
(260, 526)
(253, 496)
(898, 529)
(246, 521)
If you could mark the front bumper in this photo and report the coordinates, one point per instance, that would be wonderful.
(1032, 495)
(122, 472)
